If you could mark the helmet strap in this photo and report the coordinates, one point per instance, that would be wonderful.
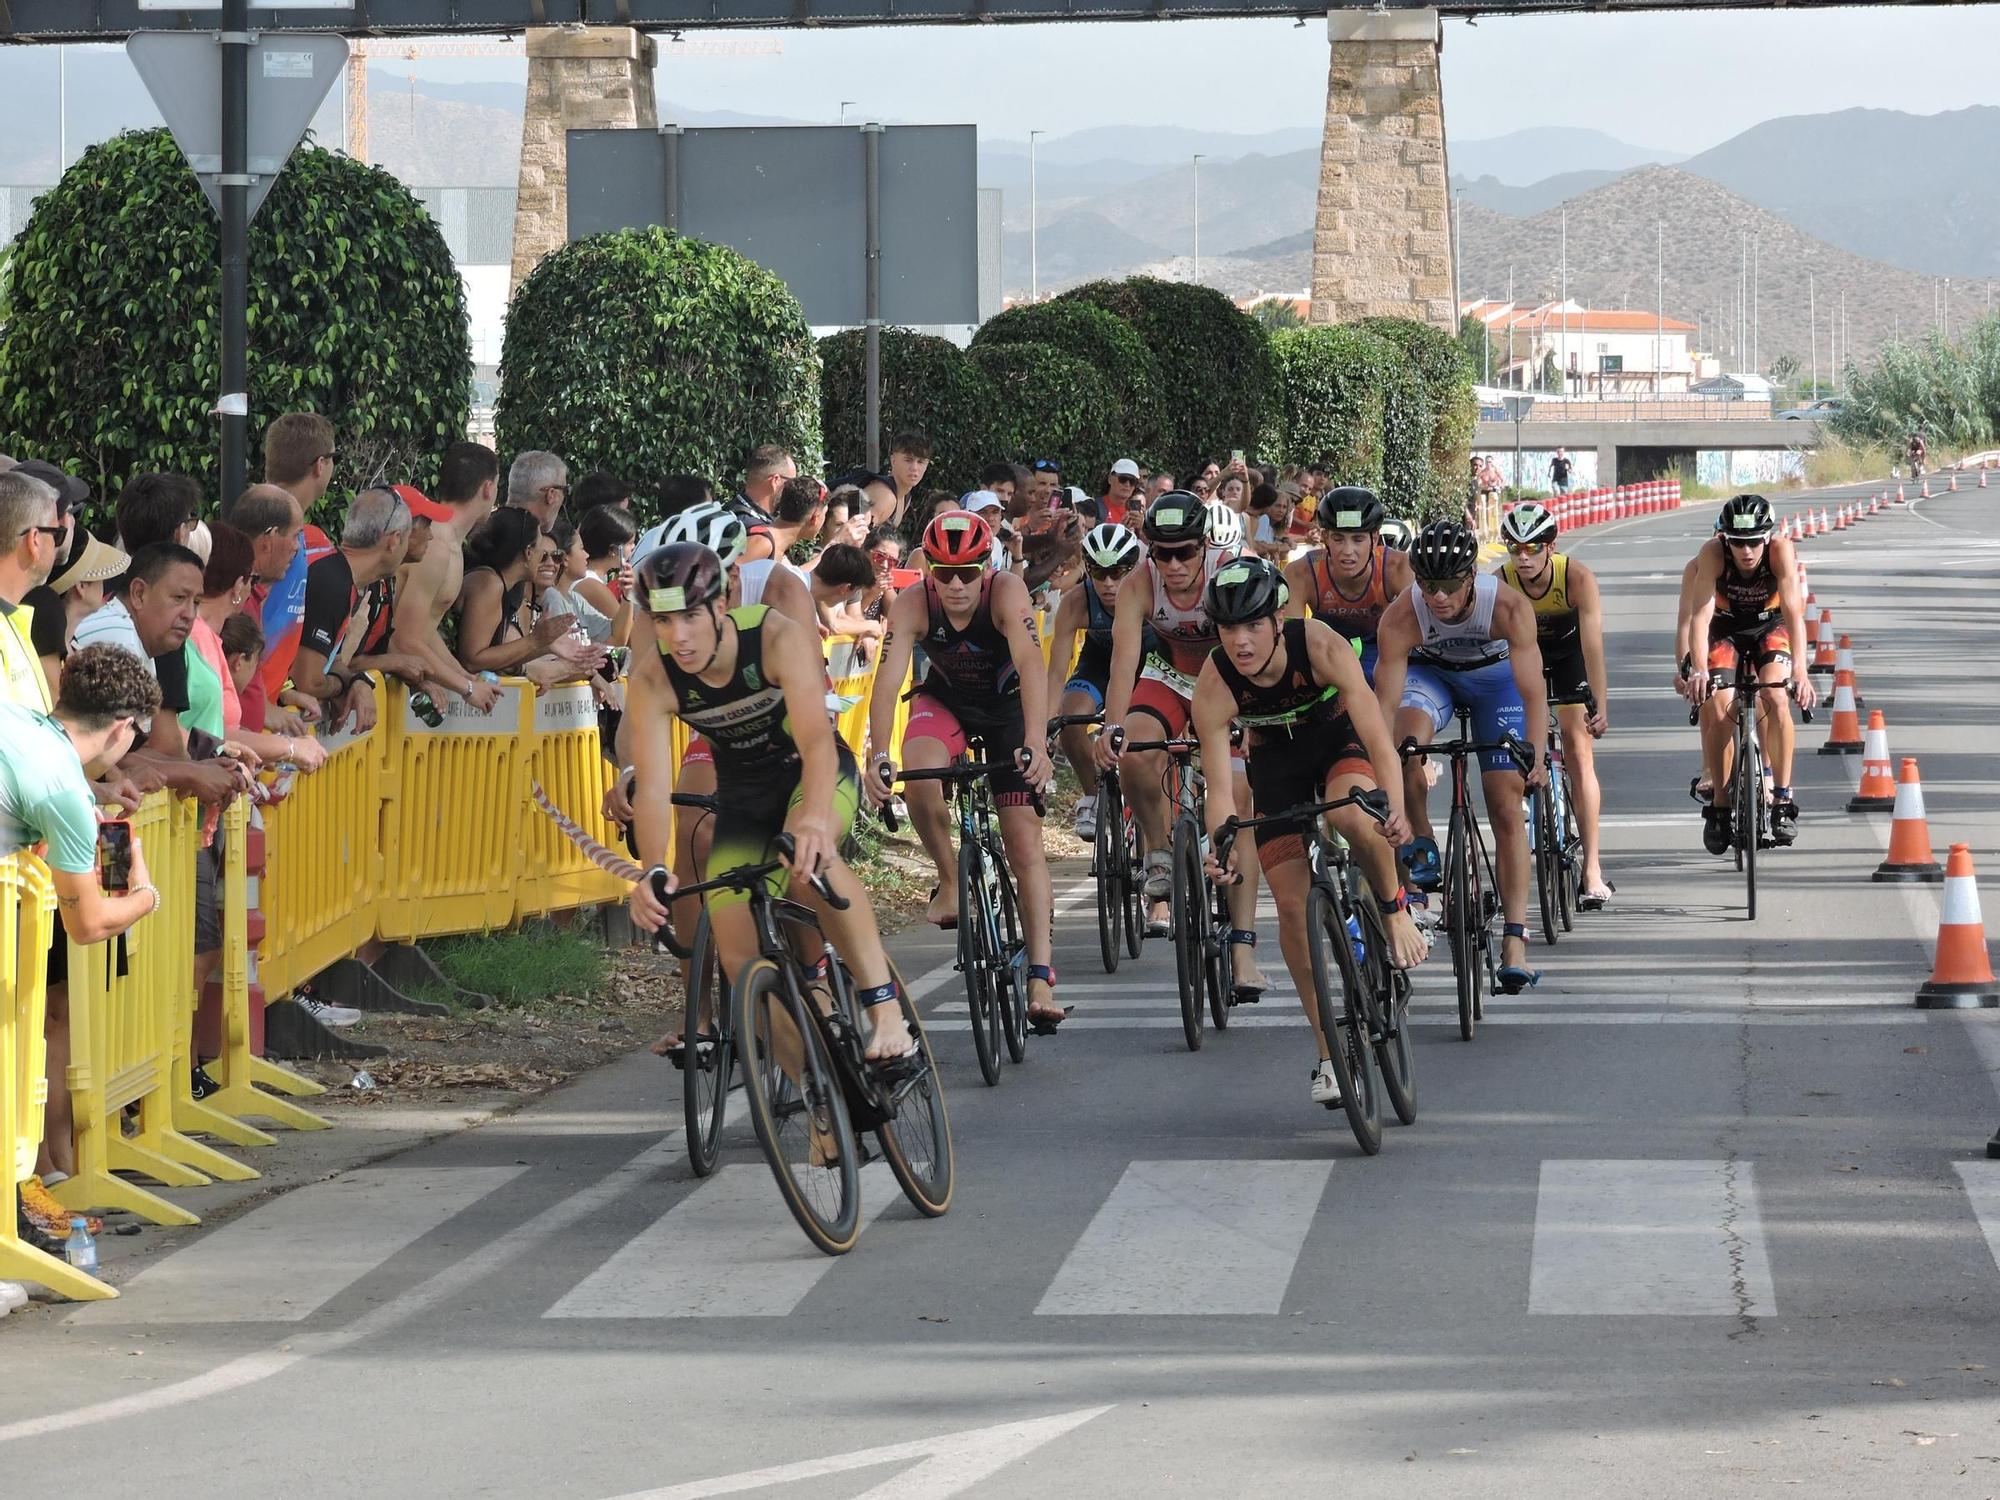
(715, 618)
(1277, 639)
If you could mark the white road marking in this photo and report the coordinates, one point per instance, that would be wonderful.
(1650, 1238)
(1156, 1242)
(1504, 1018)
(1982, 1190)
(726, 1250)
(286, 1259)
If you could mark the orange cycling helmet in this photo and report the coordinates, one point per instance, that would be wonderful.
(957, 538)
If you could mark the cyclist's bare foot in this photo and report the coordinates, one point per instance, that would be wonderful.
(1407, 942)
(942, 911)
(888, 1035)
(1245, 974)
(1159, 919)
(1042, 1004)
(667, 1045)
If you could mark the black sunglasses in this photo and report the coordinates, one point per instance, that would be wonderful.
(1116, 570)
(1443, 585)
(1177, 554)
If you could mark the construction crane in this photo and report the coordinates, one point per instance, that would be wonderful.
(362, 51)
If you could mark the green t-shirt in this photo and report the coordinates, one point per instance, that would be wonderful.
(44, 795)
(204, 710)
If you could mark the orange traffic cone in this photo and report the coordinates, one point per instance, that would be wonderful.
(1982, 476)
(1812, 616)
(1953, 476)
(1877, 792)
(1845, 737)
(1910, 857)
(1924, 489)
(1901, 498)
(1843, 666)
(1962, 976)
(1840, 519)
(1823, 648)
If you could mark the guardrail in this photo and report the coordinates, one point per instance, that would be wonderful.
(1582, 508)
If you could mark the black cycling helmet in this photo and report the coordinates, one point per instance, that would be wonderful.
(1746, 518)
(1176, 517)
(1242, 590)
(1351, 507)
(1444, 549)
(678, 576)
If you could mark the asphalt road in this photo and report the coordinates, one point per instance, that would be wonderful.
(1701, 1215)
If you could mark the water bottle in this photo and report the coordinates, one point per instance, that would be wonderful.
(1360, 944)
(80, 1248)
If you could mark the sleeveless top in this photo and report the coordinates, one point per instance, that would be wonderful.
(1555, 614)
(1746, 599)
(1461, 645)
(972, 670)
(1185, 635)
(744, 719)
(1357, 617)
(1297, 700)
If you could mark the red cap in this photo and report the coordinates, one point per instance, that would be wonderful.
(421, 505)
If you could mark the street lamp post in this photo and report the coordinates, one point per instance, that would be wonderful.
(845, 104)
(1034, 225)
(1197, 217)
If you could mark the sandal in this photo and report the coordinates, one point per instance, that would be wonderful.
(1240, 993)
(1513, 978)
(1046, 1022)
(1595, 900)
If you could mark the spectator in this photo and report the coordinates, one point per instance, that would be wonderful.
(885, 555)
(299, 456)
(1006, 530)
(848, 516)
(225, 588)
(601, 488)
(767, 472)
(909, 461)
(468, 480)
(882, 507)
(565, 596)
(48, 622)
(1489, 499)
(502, 552)
(799, 511)
(46, 798)
(1163, 483)
(607, 533)
(1268, 523)
(271, 518)
(840, 580)
(538, 482)
(1233, 490)
(79, 593)
(1121, 493)
(156, 508)
(680, 492)
(1052, 560)
(1560, 469)
(243, 647)
(32, 535)
(346, 631)
(1044, 478)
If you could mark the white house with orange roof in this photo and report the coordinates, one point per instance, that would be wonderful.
(1605, 352)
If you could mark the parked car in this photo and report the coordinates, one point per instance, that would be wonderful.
(1823, 410)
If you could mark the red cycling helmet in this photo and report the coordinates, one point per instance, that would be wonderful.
(957, 538)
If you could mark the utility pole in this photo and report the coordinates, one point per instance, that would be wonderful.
(1519, 383)
(1812, 322)
(1562, 360)
(1659, 304)
(1197, 216)
(234, 192)
(1034, 225)
(1756, 285)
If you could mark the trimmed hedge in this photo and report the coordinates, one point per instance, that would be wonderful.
(1445, 370)
(649, 353)
(928, 386)
(1332, 400)
(110, 344)
(1108, 344)
(1049, 404)
(1215, 361)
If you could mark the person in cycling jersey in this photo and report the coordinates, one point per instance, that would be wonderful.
(1348, 580)
(1165, 597)
(987, 681)
(1225, 528)
(1569, 623)
(1746, 606)
(753, 682)
(1109, 553)
(1917, 453)
(1315, 732)
(1456, 637)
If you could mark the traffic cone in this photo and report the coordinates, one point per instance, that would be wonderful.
(1910, 857)
(1877, 792)
(1842, 520)
(1924, 489)
(1901, 498)
(1843, 666)
(1962, 976)
(1845, 738)
(1953, 476)
(1823, 651)
(1982, 476)
(1812, 617)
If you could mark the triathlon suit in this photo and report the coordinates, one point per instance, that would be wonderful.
(1557, 629)
(1182, 640)
(1460, 663)
(757, 764)
(1354, 616)
(972, 692)
(1299, 738)
(1748, 617)
(1093, 661)
(751, 580)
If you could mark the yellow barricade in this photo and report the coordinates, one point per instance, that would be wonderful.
(319, 899)
(563, 753)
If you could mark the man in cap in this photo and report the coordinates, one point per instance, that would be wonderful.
(1121, 493)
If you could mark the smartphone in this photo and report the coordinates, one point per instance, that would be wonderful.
(1236, 455)
(114, 855)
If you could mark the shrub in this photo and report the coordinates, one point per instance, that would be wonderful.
(928, 386)
(1445, 371)
(1048, 404)
(1333, 399)
(1949, 390)
(1109, 345)
(1215, 361)
(110, 355)
(650, 354)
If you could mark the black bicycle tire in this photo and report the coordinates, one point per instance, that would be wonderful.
(1547, 871)
(1461, 924)
(1482, 926)
(1218, 963)
(930, 1198)
(974, 936)
(1750, 810)
(1395, 1055)
(1570, 835)
(1348, 1044)
(837, 1236)
(1012, 990)
(1108, 852)
(705, 1089)
(1190, 908)
(1132, 882)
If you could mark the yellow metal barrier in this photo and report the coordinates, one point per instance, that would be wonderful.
(563, 752)
(319, 902)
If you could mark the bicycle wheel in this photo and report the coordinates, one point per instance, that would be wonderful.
(1132, 882)
(1749, 805)
(1190, 929)
(1108, 861)
(916, 1140)
(1548, 873)
(1569, 841)
(1011, 989)
(1394, 1056)
(801, 1121)
(979, 958)
(706, 1065)
(1462, 922)
(1344, 1022)
(1218, 963)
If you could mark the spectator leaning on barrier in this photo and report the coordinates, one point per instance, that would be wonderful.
(299, 458)
(31, 539)
(468, 480)
(271, 518)
(225, 587)
(566, 596)
(346, 631)
(501, 553)
(607, 534)
(1121, 493)
(538, 482)
(799, 511)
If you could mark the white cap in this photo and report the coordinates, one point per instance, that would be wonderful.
(1127, 467)
(981, 500)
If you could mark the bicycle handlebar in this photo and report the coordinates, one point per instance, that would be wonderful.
(1374, 802)
(742, 878)
(1518, 749)
(1182, 747)
(1064, 721)
(963, 771)
(1722, 681)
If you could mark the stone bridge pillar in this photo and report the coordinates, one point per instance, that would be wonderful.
(578, 79)
(1382, 240)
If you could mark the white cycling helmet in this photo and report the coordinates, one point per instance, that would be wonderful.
(1110, 545)
(1528, 524)
(1225, 527)
(710, 524)
(1397, 534)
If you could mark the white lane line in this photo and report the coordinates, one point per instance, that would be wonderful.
(1157, 1243)
(285, 1260)
(726, 1250)
(1982, 1190)
(1650, 1238)
(1514, 1018)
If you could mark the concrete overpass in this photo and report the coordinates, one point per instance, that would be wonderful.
(1630, 451)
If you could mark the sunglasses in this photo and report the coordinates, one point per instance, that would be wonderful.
(1046, 466)
(1526, 549)
(1442, 586)
(1747, 542)
(1118, 571)
(958, 572)
(1176, 554)
(884, 559)
(54, 533)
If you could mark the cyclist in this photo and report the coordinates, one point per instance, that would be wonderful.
(1225, 528)
(1745, 590)
(1165, 595)
(1917, 453)
(1315, 732)
(1456, 637)
(753, 682)
(1569, 624)
(1350, 578)
(987, 679)
(1109, 553)
(1397, 534)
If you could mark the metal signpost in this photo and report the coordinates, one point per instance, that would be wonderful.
(1518, 408)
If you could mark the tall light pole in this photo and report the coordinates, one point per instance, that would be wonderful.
(1659, 304)
(1812, 322)
(1562, 360)
(1197, 216)
(1034, 224)
(62, 110)
(1756, 279)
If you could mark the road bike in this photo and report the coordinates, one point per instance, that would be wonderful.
(810, 1087)
(1749, 798)
(1367, 1030)
(1114, 862)
(1554, 834)
(708, 1037)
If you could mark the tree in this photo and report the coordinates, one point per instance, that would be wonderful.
(1486, 355)
(1277, 312)
(1049, 404)
(928, 386)
(1112, 347)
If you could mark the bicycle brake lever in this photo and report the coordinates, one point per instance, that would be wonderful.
(663, 940)
(1375, 803)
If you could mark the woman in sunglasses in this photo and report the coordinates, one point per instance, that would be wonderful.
(986, 682)
(1109, 553)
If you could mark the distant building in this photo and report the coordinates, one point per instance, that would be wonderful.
(1602, 352)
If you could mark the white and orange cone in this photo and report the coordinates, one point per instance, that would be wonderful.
(1962, 974)
(1877, 791)
(1953, 477)
(1982, 476)
(1812, 615)
(1924, 489)
(1823, 644)
(1910, 858)
(1901, 498)
(1843, 666)
(1845, 737)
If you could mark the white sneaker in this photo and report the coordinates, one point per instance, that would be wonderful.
(1326, 1087)
(1086, 818)
(1426, 916)
(328, 1015)
(13, 1297)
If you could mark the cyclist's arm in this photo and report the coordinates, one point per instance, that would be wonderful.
(1063, 627)
(793, 660)
(1014, 612)
(1516, 617)
(1395, 639)
(788, 595)
(1214, 707)
(1128, 634)
(1583, 593)
(1684, 611)
(1785, 565)
(1700, 592)
(1335, 663)
(646, 737)
(907, 617)
(1298, 579)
